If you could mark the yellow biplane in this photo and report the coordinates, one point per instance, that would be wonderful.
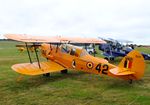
(62, 56)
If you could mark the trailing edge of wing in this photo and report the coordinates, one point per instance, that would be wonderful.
(33, 69)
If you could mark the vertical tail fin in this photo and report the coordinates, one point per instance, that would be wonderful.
(132, 66)
(134, 62)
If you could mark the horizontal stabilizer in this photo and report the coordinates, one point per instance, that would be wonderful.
(33, 69)
(121, 71)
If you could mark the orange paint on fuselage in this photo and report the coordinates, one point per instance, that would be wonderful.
(73, 57)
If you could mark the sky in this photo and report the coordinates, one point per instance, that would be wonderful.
(118, 19)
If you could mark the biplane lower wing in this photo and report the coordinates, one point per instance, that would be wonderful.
(34, 69)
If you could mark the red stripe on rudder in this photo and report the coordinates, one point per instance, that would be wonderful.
(130, 64)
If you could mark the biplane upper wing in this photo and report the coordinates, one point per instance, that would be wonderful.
(30, 38)
(52, 39)
(33, 68)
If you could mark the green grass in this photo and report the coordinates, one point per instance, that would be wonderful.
(74, 88)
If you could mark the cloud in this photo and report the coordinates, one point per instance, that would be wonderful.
(127, 19)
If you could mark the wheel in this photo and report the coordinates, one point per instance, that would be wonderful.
(130, 81)
(46, 75)
(64, 71)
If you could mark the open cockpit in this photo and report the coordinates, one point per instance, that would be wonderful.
(73, 50)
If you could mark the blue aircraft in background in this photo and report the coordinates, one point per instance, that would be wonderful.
(114, 48)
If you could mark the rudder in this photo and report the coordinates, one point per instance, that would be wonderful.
(134, 62)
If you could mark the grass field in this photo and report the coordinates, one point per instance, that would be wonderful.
(74, 88)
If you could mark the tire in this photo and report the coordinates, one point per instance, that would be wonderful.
(64, 71)
(130, 81)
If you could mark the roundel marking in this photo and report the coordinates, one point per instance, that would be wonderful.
(89, 65)
(74, 64)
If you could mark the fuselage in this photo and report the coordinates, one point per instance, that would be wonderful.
(76, 58)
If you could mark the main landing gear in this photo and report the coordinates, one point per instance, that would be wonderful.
(64, 71)
(46, 75)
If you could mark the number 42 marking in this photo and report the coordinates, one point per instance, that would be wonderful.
(103, 68)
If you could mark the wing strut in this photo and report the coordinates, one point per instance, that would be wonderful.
(50, 46)
(57, 48)
(28, 52)
(35, 50)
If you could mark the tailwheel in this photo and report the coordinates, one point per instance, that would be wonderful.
(46, 75)
(64, 71)
(130, 81)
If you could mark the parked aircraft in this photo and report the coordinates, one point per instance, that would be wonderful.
(115, 48)
(62, 56)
